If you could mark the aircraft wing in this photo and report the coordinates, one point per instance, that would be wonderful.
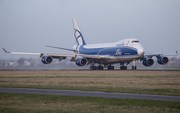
(157, 55)
(74, 56)
(62, 48)
(63, 56)
(21, 53)
(57, 56)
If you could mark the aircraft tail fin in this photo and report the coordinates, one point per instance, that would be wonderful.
(77, 33)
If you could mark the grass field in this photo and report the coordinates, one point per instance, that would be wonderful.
(33, 103)
(143, 82)
(146, 82)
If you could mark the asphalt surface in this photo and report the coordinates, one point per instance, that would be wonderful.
(90, 94)
(52, 69)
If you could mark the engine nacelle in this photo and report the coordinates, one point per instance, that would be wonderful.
(148, 62)
(81, 61)
(47, 59)
(162, 60)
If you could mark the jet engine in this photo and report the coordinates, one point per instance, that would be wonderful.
(81, 61)
(148, 62)
(162, 60)
(47, 59)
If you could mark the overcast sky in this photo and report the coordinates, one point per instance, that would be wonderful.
(28, 25)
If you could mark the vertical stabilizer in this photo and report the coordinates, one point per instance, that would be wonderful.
(77, 33)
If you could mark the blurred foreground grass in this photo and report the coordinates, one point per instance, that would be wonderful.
(34, 103)
(143, 82)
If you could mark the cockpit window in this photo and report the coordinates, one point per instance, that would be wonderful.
(135, 41)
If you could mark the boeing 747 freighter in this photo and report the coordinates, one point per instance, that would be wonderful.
(104, 55)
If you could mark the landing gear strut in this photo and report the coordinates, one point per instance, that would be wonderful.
(123, 67)
(134, 65)
(110, 67)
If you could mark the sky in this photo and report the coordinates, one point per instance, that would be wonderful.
(29, 25)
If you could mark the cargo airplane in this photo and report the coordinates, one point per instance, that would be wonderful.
(105, 55)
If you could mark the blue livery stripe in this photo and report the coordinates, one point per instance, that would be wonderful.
(112, 51)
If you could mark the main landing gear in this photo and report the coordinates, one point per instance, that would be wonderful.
(123, 67)
(110, 67)
(101, 67)
(96, 67)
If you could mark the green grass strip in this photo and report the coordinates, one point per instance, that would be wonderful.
(21, 103)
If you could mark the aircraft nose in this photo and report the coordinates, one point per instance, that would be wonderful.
(140, 51)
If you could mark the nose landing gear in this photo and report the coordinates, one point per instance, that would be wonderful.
(134, 65)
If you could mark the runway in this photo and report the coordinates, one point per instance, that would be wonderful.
(86, 69)
(90, 94)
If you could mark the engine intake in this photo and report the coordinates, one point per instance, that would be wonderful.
(162, 60)
(47, 59)
(81, 61)
(148, 62)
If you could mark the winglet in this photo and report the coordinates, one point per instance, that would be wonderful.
(176, 52)
(5, 50)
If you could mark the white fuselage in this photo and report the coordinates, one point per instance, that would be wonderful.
(122, 51)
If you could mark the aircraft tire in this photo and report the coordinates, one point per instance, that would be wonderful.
(110, 68)
(123, 68)
(134, 67)
(99, 68)
(93, 68)
(102, 67)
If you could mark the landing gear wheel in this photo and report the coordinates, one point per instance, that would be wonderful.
(92, 67)
(134, 67)
(110, 67)
(99, 68)
(123, 68)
